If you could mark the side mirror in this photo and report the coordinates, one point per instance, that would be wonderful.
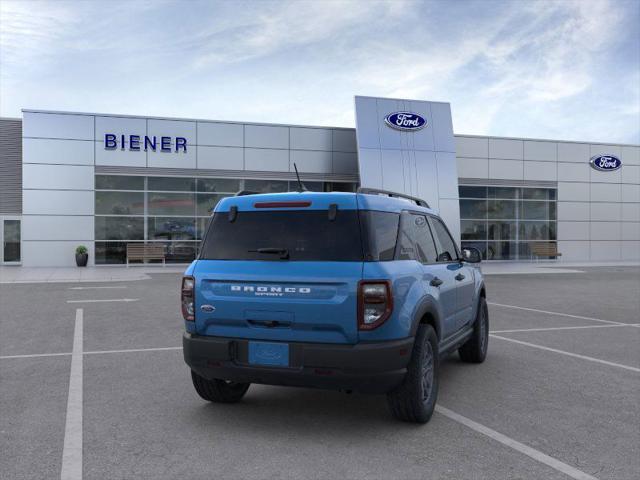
(471, 255)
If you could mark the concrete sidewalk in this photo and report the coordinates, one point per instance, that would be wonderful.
(11, 274)
(548, 266)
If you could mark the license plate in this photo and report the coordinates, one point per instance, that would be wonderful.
(268, 353)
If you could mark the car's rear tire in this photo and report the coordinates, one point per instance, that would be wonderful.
(415, 399)
(475, 349)
(219, 391)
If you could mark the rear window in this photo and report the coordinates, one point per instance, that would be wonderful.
(305, 235)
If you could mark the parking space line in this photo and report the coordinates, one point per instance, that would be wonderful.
(556, 313)
(569, 354)
(35, 355)
(93, 352)
(158, 349)
(515, 445)
(105, 300)
(95, 288)
(548, 329)
(72, 449)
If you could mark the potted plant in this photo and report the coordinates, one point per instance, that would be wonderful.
(82, 256)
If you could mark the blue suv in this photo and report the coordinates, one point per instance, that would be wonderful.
(358, 292)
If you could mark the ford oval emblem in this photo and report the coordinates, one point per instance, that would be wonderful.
(405, 121)
(606, 163)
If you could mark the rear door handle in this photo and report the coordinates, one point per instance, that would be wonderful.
(436, 282)
(459, 277)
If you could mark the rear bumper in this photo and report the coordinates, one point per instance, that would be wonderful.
(366, 367)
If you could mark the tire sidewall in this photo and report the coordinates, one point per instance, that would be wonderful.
(482, 334)
(430, 404)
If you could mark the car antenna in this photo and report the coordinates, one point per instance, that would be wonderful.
(301, 187)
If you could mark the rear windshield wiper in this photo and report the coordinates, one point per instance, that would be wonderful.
(283, 252)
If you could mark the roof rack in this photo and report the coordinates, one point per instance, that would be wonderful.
(376, 191)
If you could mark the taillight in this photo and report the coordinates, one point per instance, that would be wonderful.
(187, 298)
(375, 303)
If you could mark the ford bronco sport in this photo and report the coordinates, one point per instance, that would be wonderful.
(351, 291)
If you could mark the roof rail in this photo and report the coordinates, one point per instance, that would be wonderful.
(242, 193)
(376, 191)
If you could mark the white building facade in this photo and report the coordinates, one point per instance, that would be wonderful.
(105, 181)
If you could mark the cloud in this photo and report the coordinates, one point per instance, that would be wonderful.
(508, 68)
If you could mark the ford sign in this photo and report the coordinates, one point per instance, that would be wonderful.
(405, 121)
(605, 163)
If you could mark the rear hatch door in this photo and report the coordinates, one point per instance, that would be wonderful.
(282, 268)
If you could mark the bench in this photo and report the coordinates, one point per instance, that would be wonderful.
(142, 252)
(545, 249)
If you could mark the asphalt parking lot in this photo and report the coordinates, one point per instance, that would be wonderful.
(558, 397)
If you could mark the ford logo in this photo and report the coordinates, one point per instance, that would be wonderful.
(405, 121)
(605, 163)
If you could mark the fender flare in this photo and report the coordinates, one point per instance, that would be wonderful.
(427, 306)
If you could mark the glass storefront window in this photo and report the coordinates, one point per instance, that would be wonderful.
(202, 223)
(501, 250)
(266, 186)
(501, 231)
(538, 194)
(168, 228)
(168, 211)
(230, 185)
(207, 202)
(119, 182)
(538, 210)
(503, 222)
(502, 192)
(177, 184)
(119, 228)
(501, 209)
(472, 192)
(171, 204)
(473, 229)
(119, 203)
(473, 208)
(107, 253)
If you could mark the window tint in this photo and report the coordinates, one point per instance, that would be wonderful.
(424, 241)
(446, 246)
(380, 229)
(406, 239)
(306, 236)
(415, 240)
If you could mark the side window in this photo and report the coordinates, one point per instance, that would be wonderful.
(415, 241)
(446, 246)
(424, 241)
(406, 239)
(380, 230)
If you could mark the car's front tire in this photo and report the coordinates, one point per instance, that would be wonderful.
(415, 399)
(475, 349)
(219, 391)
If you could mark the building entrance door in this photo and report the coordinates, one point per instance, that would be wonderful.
(10, 234)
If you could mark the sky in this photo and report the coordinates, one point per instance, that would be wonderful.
(540, 69)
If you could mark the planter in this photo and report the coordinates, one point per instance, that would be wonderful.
(82, 259)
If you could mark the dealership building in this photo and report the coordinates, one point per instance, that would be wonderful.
(111, 181)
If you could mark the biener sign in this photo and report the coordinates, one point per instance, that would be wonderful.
(139, 142)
